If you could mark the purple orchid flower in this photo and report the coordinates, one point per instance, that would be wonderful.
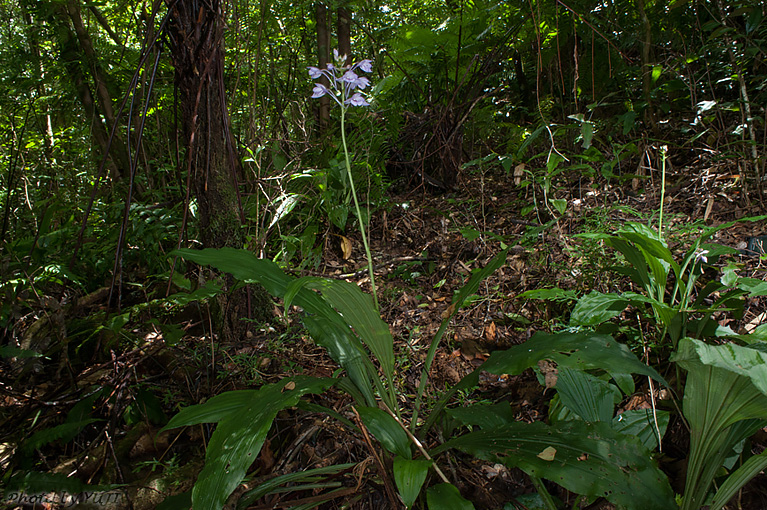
(357, 100)
(343, 89)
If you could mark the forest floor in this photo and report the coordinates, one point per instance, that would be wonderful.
(424, 245)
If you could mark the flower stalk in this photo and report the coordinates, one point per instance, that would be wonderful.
(344, 85)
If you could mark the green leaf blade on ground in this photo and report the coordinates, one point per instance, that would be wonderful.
(595, 308)
(446, 496)
(214, 410)
(588, 459)
(583, 351)
(239, 436)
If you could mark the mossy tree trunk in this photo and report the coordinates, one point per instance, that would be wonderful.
(197, 49)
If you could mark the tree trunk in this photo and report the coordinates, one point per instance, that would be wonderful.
(197, 49)
(344, 32)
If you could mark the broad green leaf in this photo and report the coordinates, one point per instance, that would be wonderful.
(758, 337)
(359, 312)
(640, 423)
(746, 361)
(753, 286)
(409, 476)
(559, 204)
(595, 308)
(584, 351)
(588, 458)
(624, 381)
(212, 411)
(446, 496)
(347, 351)
(239, 436)
(591, 398)
(324, 324)
(386, 429)
(724, 402)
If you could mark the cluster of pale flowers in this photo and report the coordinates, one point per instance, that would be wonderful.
(344, 81)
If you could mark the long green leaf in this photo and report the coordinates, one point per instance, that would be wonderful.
(589, 459)
(36, 482)
(239, 436)
(212, 411)
(386, 429)
(245, 266)
(635, 261)
(348, 352)
(359, 312)
(308, 475)
(458, 301)
(738, 479)
(584, 351)
(325, 325)
(477, 276)
(595, 308)
(409, 476)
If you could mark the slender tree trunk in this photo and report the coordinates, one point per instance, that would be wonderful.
(647, 65)
(197, 50)
(343, 30)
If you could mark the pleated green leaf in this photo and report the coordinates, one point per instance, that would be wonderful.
(640, 423)
(386, 430)
(586, 458)
(359, 312)
(738, 479)
(595, 308)
(725, 401)
(239, 436)
(409, 476)
(583, 351)
(589, 397)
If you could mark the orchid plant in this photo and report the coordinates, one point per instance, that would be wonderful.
(344, 88)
